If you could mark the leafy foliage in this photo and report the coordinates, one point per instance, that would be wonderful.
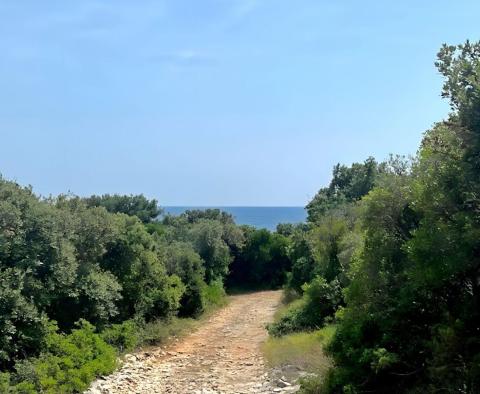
(348, 184)
(411, 316)
(262, 262)
(67, 365)
(146, 210)
(320, 301)
(124, 337)
(103, 261)
(22, 327)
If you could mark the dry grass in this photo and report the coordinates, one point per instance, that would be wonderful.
(304, 350)
(285, 308)
(160, 332)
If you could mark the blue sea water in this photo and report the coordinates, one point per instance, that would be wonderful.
(260, 217)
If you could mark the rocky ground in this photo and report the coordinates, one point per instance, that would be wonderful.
(222, 356)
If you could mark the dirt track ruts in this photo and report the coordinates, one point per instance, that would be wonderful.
(222, 356)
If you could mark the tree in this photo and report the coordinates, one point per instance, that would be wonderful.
(213, 241)
(301, 256)
(348, 184)
(138, 205)
(182, 260)
(412, 316)
(148, 292)
(195, 215)
(262, 262)
(22, 326)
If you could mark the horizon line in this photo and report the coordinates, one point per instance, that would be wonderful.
(232, 206)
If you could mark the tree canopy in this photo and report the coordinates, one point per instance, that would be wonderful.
(146, 210)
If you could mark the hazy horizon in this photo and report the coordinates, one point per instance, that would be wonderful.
(260, 217)
(231, 206)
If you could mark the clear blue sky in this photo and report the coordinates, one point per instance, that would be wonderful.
(216, 102)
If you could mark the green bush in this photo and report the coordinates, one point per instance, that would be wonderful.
(289, 322)
(124, 337)
(163, 300)
(4, 382)
(213, 295)
(262, 262)
(289, 295)
(22, 327)
(312, 385)
(182, 260)
(70, 363)
(320, 301)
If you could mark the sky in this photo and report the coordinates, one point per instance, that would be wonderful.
(216, 102)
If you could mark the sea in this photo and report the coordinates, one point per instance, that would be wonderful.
(260, 217)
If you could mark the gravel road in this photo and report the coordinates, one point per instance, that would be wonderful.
(222, 356)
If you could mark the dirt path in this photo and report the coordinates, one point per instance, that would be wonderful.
(222, 356)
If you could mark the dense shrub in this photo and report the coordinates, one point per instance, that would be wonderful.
(182, 260)
(124, 336)
(313, 385)
(262, 262)
(67, 365)
(22, 327)
(213, 295)
(320, 301)
(213, 241)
